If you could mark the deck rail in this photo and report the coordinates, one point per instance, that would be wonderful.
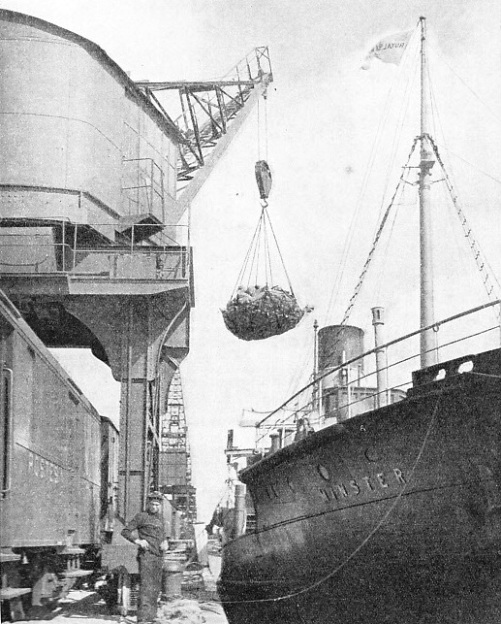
(353, 387)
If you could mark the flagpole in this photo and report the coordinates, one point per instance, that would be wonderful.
(427, 346)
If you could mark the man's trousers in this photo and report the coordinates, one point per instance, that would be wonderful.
(150, 584)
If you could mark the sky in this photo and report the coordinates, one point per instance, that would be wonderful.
(323, 114)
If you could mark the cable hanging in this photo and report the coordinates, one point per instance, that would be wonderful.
(259, 306)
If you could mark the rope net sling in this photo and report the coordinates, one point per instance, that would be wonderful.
(258, 307)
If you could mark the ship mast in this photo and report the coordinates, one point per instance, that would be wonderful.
(427, 347)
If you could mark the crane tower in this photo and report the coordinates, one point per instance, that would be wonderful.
(175, 457)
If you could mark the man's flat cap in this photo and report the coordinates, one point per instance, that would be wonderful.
(158, 496)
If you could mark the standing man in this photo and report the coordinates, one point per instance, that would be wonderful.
(147, 530)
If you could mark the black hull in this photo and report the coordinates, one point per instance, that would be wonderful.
(391, 517)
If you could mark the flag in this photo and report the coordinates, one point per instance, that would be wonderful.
(389, 50)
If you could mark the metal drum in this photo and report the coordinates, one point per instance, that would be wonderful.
(173, 567)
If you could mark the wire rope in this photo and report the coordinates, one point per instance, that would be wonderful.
(267, 254)
(259, 129)
(479, 257)
(251, 252)
(392, 365)
(385, 252)
(488, 175)
(397, 135)
(472, 91)
(411, 76)
(259, 252)
(248, 254)
(266, 127)
(371, 533)
(280, 254)
(375, 242)
(368, 172)
(417, 332)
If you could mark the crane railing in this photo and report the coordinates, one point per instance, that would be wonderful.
(143, 252)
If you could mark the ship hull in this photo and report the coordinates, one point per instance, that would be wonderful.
(393, 516)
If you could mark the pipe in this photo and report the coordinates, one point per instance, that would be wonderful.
(239, 512)
(381, 370)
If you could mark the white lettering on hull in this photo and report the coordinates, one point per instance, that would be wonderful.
(366, 484)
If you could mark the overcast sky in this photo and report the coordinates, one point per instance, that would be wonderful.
(323, 115)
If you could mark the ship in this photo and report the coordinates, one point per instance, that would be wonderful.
(386, 508)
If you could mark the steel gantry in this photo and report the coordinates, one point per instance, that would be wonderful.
(210, 115)
(94, 247)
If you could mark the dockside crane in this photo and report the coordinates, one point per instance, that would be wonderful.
(116, 276)
(211, 114)
(96, 178)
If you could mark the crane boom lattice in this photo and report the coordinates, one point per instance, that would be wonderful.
(210, 114)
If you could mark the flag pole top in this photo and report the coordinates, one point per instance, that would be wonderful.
(422, 21)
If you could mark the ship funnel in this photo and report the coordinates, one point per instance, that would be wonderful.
(338, 344)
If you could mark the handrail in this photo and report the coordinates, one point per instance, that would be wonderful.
(65, 247)
(331, 371)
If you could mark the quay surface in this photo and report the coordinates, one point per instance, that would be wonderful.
(89, 608)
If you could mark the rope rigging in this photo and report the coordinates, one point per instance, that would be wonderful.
(489, 279)
(375, 242)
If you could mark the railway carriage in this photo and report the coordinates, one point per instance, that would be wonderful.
(50, 471)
